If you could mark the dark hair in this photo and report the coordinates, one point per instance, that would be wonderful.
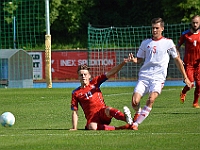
(195, 16)
(83, 67)
(158, 20)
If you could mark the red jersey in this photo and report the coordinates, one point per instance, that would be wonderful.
(90, 98)
(192, 47)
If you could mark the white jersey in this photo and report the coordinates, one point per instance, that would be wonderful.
(156, 55)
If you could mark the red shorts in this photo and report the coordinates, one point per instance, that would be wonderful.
(193, 72)
(99, 117)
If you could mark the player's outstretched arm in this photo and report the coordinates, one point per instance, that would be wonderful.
(115, 69)
(74, 120)
(118, 67)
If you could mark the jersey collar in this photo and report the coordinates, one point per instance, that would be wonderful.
(157, 39)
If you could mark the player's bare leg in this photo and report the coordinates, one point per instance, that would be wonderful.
(146, 110)
(136, 105)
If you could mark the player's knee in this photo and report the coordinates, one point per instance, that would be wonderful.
(135, 103)
(92, 126)
(136, 100)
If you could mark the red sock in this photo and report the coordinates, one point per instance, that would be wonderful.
(117, 114)
(185, 89)
(105, 127)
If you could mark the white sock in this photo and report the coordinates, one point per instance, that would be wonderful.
(144, 113)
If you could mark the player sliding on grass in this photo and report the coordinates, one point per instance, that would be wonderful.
(90, 98)
(155, 52)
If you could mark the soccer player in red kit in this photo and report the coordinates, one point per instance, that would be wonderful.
(191, 39)
(90, 98)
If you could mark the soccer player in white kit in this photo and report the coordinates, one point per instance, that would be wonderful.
(156, 53)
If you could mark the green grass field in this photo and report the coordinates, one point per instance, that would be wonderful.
(43, 120)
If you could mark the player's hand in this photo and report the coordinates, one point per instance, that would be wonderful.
(132, 58)
(188, 83)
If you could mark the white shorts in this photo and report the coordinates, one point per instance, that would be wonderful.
(148, 86)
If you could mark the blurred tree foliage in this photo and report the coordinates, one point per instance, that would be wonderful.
(176, 11)
(70, 18)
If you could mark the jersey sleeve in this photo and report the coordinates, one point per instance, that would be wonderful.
(74, 102)
(98, 80)
(172, 49)
(141, 51)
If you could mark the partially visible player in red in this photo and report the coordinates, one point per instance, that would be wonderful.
(90, 98)
(191, 39)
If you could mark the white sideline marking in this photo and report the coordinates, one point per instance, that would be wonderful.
(98, 134)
